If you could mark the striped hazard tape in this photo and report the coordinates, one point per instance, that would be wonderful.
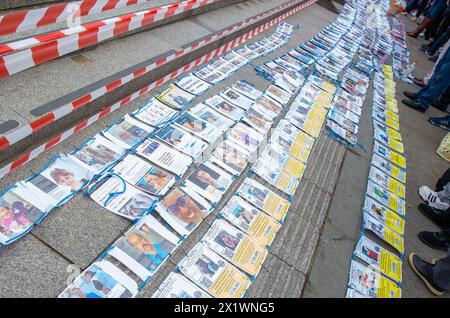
(30, 19)
(24, 131)
(23, 159)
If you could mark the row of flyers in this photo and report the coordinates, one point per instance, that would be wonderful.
(401, 56)
(24, 204)
(384, 207)
(128, 189)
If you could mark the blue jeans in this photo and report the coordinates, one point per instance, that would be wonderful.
(437, 84)
(436, 9)
(438, 42)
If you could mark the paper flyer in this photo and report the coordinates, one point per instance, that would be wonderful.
(183, 209)
(144, 176)
(59, 180)
(258, 120)
(293, 133)
(284, 84)
(96, 154)
(273, 158)
(246, 52)
(144, 247)
(175, 97)
(385, 215)
(231, 157)
(270, 106)
(392, 133)
(176, 286)
(276, 177)
(209, 115)
(287, 65)
(235, 246)
(388, 154)
(236, 98)
(388, 141)
(264, 199)
(343, 121)
(247, 89)
(345, 113)
(322, 84)
(214, 274)
(101, 280)
(351, 293)
(302, 122)
(198, 127)
(209, 74)
(127, 132)
(379, 258)
(164, 156)
(342, 132)
(390, 200)
(123, 199)
(182, 140)
(338, 100)
(235, 58)
(154, 113)
(387, 182)
(350, 99)
(294, 149)
(385, 233)
(250, 220)
(224, 66)
(193, 84)
(225, 108)
(388, 122)
(388, 168)
(245, 136)
(210, 181)
(278, 94)
(370, 283)
(20, 209)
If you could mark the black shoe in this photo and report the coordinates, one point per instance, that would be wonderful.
(437, 240)
(425, 273)
(433, 58)
(424, 47)
(410, 95)
(414, 104)
(440, 105)
(438, 217)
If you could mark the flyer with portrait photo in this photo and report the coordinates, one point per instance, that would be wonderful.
(339, 100)
(183, 209)
(144, 247)
(269, 106)
(198, 127)
(177, 286)
(182, 140)
(210, 74)
(278, 94)
(245, 136)
(101, 280)
(127, 132)
(59, 180)
(302, 122)
(122, 198)
(251, 220)
(247, 53)
(236, 59)
(236, 98)
(387, 122)
(97, 154)
(385, 233)
(231, 157)
(210, 181)
(388, 154)
(224, 66)
(343, 121)
(294, 149)
(226, 108)
(371, 283)
(344, 112)
(264, 199)
(390, 200)
(175, 97)
(247, 89)
(351, 293)
(387, 182)
(379, 258)
(258, 120)
(214, 274)
(193, 84)
(284, 84)
(274, 158)
(342, 132)
(144, 175)
(388, 168)
(383, 138)
(276, 176)
(322, 84)
(154, 113)
(291, 132)
(392, 133)
(209, 115)
(385, 215)
(20, 210)
(164, 156)
(235, 246)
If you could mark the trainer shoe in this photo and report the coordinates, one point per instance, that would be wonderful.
(443, 122)
(425, 272)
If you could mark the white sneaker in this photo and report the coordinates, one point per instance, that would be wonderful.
(430, 197)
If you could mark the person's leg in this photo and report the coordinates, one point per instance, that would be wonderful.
(427, 77)
(411, 5)
(435, 277)
(438, 42)
(437, 84)
(435, 11)
(443, 180)
(441, 273)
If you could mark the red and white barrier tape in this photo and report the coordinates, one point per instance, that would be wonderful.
(24, 131)
(35, 18)
(211, 55)
(88, 36)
